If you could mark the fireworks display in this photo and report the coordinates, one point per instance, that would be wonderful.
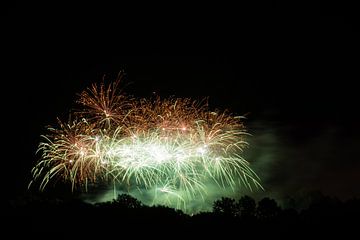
(173, 147)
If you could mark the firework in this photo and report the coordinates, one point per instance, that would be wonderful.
(172, 146)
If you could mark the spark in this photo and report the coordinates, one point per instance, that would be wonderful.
(173, 145)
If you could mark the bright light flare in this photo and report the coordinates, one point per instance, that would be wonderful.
(174, 145)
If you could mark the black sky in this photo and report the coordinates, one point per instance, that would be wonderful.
(293, 68)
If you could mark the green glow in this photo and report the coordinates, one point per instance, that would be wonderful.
(163, 151)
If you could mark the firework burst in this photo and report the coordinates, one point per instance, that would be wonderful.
(171, 146)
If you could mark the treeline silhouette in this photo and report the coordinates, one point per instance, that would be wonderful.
(48, 217)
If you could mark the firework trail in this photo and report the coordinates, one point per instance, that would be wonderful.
(173, 146)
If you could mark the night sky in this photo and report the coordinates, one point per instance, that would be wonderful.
(293, 73)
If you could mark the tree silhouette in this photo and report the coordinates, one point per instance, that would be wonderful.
(127, 201)
(267, 208)
(246, 207)
(326, 216)
(225, 206)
